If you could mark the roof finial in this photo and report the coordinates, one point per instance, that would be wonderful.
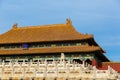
(68, 21)
(15, 26)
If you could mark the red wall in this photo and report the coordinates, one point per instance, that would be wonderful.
(94, 63)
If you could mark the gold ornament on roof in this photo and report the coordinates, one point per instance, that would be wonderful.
(68, 21)
(15, 26)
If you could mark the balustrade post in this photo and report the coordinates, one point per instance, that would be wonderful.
(12, 71)
(94, 71)
(45, 72)
(83, 63)
(2, 71)
(56, 70)
(108, 72)
(38, 63)
(3, 65)
(23, 72)
(35, 72)
(68, 72)
(80, 69)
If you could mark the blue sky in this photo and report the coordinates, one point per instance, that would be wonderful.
(98, 17)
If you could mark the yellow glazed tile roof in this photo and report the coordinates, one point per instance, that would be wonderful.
(54, 32)
(49, 50)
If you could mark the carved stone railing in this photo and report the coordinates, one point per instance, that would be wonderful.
(54, 70)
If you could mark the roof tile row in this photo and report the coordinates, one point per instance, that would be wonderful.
(55, 32)
(49, 50)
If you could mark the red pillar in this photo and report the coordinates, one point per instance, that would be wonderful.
(94, 63)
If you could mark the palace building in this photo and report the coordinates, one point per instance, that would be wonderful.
(37, 43)
(52, 43)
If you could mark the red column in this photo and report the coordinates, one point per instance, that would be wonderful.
(94, 62)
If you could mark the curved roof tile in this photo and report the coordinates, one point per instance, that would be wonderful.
(54, 32)
(49, 50)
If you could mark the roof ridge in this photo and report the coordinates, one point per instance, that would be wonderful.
(39, 26)
(43, 33)
(68, 22)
